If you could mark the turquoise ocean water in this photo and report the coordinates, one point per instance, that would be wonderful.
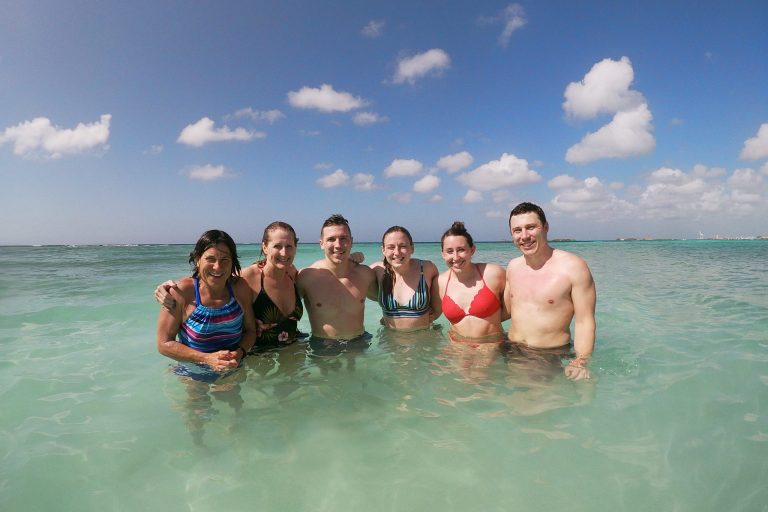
(674, 419)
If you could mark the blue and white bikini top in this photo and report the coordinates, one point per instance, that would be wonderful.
(417, 306)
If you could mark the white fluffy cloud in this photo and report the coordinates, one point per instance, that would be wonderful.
(367, 118)
(269, 116)
(702, 171)
(403, 167)
(675, 194)
(373, 29)
(669, 194)
(426, 184)
(589, 198)
(507, 171)
(207, 172)
(456, 162)
(756, 148)
(746, 180)
(562, 181)
(473, 196)
(512, 17)
(202, 132)
(337, 178)
(325, 99)
(668, 175)
(628, 134)
(40, 138)
(364, 182)
(605, 89)
(435, 198)
(410, 69)
(401, 197)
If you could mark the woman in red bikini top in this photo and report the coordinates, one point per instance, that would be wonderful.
(471, 294)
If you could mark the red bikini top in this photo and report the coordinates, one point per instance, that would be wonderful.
(484, 304)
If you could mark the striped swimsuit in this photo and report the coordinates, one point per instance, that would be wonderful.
(417, 306)
(210, 329)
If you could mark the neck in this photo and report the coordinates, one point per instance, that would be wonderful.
(338, 269)
(273, 272)
(402, 270)
(214, 293)
(467, 274)
(536, 261)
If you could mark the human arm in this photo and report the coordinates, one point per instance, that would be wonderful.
(435, 299)
(435, 305)
(373, 287)
(168, 325)
(507, 303)
(496, 278)
(163, 294)
(244, 297)
(584, 296)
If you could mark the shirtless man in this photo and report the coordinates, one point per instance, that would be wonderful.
(334, 288)
(546, 289)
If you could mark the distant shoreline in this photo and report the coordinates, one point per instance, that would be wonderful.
(761, 238)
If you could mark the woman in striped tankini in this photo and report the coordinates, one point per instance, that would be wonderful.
(212, 316)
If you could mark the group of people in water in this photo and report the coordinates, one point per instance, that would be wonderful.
(216, 317)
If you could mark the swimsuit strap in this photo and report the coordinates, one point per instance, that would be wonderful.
(197, 292)
(199, 301)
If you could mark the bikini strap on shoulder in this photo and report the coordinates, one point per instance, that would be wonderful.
(197, 291)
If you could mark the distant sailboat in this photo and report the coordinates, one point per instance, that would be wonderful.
(701, 235)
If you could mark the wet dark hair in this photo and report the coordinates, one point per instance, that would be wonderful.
(336, 219)
(388, 283)
(212, 238)
(528, 208)
(265, 238)
(457, 229)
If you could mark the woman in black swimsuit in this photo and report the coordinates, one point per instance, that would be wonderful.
(276, 302)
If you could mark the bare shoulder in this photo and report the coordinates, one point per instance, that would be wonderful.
(377, 264)
(442, 278)
(567, 259)
(430, 269)
(495, 276)
(307, 274)
(364, 270)
(317, 264)
(250, 271)
(515, 263)
(378, 270)
(251, 274)
(572, 264)
(186, 284)
(242, 289)
(492, 270)
(186, 290)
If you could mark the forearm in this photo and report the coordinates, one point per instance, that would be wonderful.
(248, 340)
(584, 339)
(180, 352)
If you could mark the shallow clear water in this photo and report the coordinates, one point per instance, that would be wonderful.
(675, 418)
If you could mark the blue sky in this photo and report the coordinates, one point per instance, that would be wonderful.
(149, 122)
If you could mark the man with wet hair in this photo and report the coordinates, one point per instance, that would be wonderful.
(334, 288)
(546, 289)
